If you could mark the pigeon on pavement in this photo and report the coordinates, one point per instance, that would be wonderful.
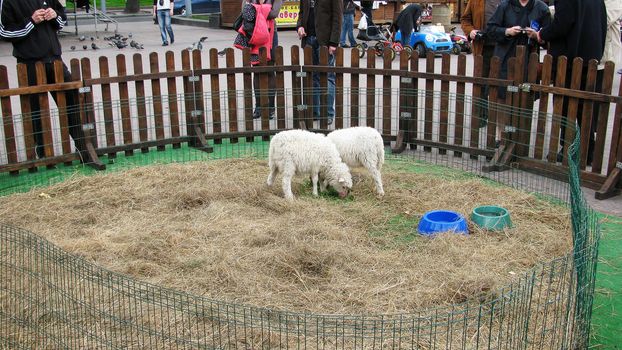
(94, 46)
(72, 48)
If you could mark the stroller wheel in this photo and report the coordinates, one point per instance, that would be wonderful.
(362, 47)
(392, 52)
(456, 49)
(379, 48)
(408, 50)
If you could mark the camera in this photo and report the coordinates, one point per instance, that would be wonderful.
(480, 36)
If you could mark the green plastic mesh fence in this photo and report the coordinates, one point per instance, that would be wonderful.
(50, 299)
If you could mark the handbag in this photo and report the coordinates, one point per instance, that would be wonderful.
(363, 22)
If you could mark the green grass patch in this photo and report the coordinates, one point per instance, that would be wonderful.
(26, 181)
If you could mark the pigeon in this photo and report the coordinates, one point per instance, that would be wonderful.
(129, 34)
(84, 47)
(82, 38)
(120, 44)
(197, 45)
(73, 48)
(133, 44)
(92, 39)
(200, 44)
(94, 47)
(222, 53)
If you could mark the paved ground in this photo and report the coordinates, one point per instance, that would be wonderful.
(145, 32)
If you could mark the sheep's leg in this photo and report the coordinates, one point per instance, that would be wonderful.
(314, 179)
(323, 185)
(288, 174)
(273, 172)
(375, 173)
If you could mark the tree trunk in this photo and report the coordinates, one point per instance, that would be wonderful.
(132, 6)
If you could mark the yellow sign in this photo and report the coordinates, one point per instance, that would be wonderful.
(288, 15)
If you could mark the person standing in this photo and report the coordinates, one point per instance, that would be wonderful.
(163, 10)
(407, 20)
(269, 11)
(473, 23)
(613, 43)
(319, 24)
(32, 26)
(578, 29)
(349, 8)
(508, 28)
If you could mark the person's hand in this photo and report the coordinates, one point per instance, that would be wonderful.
(50, 14)
(473, 33)
(171, 11)
(531, 33)
(301, 33)
(38, 16)
(513, 31)
(332, 50)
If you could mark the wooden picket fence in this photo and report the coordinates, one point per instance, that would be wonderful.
(202, 101)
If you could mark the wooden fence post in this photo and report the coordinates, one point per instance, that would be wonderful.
(104, 72)
(156, 95)
(232, 98)
(172, 98)
(7, 121)
(124, 101)
(217, 121)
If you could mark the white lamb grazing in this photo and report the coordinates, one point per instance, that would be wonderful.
(303, 152)
(361, 146)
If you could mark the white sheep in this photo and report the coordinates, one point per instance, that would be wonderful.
(303, 152)
(361, 146)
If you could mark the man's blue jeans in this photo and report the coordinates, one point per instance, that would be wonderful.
(330, 100)
(347, 28)
(164, 20)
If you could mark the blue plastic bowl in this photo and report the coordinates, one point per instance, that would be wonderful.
(437, 221)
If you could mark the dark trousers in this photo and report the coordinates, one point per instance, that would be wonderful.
(487, 54)
(595, 111)
(72, 109)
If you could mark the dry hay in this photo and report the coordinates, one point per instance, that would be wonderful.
(215, 229)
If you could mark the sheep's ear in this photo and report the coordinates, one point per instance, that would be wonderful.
(341, 180)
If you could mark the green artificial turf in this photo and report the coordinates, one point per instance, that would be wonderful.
(607, 310)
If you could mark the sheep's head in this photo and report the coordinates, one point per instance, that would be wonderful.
(341, 180)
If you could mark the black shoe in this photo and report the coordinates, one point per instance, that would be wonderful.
(560, 156)
(316, 118)
(272, 115)
(346, 46)
(165, 44)
(497, 143)
(172, 41)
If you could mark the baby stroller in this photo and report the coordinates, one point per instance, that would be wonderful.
(384, 37)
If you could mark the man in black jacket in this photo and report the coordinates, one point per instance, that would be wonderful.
(578, 29)
(31, 26)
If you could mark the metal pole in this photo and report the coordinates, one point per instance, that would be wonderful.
(188, 8)
(103, 4)
(95, 14)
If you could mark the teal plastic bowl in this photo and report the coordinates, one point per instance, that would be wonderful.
(491, 218)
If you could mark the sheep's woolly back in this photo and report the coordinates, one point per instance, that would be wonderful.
(308, 151)
(359, 146)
